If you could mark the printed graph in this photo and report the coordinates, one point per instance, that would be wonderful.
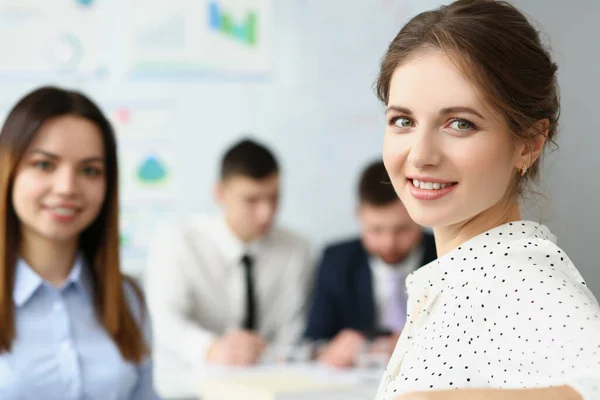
(52, 38)
(221, 20)
(191, 38)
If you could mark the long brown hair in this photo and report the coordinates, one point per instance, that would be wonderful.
(99, 242)
(499, 50)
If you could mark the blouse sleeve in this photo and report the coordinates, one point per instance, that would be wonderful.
(144, 387)
(541, 323)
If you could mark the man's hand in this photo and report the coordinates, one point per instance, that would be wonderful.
(385, 344)
(343, 350)
(237, 348)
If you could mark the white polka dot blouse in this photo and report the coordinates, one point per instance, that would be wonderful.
(507, 309)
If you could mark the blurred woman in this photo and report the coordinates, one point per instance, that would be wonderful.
(71, 325)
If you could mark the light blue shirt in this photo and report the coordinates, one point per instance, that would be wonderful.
(61, 351)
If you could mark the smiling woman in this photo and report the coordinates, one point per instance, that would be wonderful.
(451, 137)
(59, 185)
(471, 100)
(70, 324)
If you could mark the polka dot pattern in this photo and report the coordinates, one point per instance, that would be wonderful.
(507, 309)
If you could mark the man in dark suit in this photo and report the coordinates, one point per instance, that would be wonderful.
(360, 290)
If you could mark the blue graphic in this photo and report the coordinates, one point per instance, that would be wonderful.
(85, 3)
(152, 170)
(214, 16)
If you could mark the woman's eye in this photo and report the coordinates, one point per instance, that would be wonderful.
(461, 125)
(92, 171)
(43, 165)
(403, 123)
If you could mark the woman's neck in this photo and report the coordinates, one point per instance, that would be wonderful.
(51, 260)
(450, 237)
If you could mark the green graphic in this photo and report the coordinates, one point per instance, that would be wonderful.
(222, 21)
(124, 240)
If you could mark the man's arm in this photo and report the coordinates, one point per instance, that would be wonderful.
(295, 296)
(322, 316)
(170, 296)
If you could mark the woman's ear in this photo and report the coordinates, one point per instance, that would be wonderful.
(531, 149)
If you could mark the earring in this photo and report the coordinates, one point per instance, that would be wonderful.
(523, 170)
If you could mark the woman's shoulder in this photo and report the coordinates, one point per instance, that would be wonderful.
(513, 244)
(538, 255)
(134, 297)
(537, 266)
(518, 252)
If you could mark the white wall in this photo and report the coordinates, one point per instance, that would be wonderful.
(571, 172)
(318, 111)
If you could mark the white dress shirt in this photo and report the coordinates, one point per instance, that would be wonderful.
(196, 286)
(507, 309)
(383, 276)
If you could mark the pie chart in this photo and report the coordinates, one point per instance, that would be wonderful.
(65, 52)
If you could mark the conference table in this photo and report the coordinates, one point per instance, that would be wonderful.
(271, 381)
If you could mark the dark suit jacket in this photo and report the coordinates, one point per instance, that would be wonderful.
(343, 297)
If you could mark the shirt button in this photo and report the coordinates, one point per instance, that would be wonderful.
(58, 306)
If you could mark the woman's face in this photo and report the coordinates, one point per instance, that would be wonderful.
(450, 156)
(60, 186)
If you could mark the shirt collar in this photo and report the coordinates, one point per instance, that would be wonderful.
(504, 234)
(27, 281)
(231, 246)
(429, 280)
(509, 232)
(81, 276)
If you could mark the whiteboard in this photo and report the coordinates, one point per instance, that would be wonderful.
(184, 79)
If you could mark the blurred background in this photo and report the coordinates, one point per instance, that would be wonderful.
(181, 83)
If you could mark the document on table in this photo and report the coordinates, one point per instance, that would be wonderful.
(284, 383)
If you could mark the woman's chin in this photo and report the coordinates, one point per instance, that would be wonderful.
(429, 219)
